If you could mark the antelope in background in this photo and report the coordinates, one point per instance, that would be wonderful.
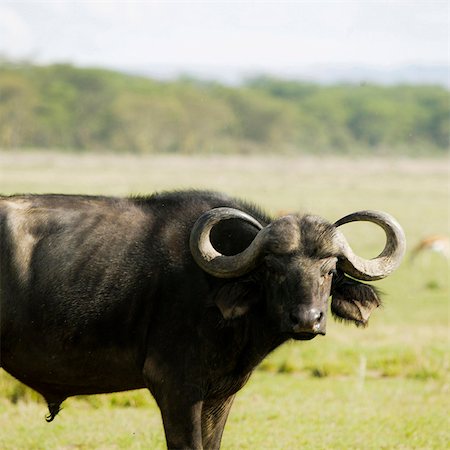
(438, 243)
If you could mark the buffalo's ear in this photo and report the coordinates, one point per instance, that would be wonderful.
(353, 301)
(236, 298)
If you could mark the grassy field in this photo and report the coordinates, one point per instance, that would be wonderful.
(384, 387)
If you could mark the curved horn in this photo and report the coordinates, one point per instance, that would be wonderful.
(213, 262)
(387, 261)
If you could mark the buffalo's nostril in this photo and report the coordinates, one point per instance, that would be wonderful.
(318, 316)
(317, 321)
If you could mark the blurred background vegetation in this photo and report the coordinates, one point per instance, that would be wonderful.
(83, 109)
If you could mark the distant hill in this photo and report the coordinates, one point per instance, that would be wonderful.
(83, 109)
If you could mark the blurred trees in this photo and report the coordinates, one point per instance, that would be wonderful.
(60, 106)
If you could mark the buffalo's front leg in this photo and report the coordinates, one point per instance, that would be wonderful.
(182, 425)
(214, 416)
(181, 411)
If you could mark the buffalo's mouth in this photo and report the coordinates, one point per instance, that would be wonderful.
(303, 336)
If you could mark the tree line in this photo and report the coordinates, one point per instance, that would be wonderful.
(60, 106)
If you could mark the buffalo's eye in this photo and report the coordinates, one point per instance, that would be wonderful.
(328, 269)
(325, 275)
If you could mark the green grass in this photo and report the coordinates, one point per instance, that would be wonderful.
(384, 387)
(273, 411)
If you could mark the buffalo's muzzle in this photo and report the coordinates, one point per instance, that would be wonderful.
(308, 321)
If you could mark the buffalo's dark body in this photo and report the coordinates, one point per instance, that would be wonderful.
(112, 294)
(102, 294)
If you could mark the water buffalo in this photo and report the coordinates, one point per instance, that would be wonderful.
(183, 293)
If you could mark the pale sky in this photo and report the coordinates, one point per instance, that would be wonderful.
(241, 34)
